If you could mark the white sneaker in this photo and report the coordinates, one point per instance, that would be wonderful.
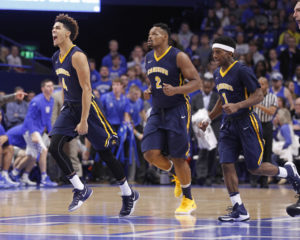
(27, 182)
(9, 182)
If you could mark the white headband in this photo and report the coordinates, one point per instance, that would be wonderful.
(224, 47)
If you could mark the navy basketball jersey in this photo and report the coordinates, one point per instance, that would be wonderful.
(67, 75)
(161, 70)
(235, 85)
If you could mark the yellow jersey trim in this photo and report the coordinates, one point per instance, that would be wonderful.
(107, 123)
(164, 54)
(256, 129)
(226, 71)
(246, 97)
(63, 58)
(101, 120)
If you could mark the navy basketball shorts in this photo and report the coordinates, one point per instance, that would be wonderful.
(100, 133)
(242, 136)
(167, 130)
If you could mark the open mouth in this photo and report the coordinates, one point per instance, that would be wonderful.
(54, 38)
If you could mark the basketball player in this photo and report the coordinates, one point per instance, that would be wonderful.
(81, 115)
(168, 124)
(241, 130)
(294, 209)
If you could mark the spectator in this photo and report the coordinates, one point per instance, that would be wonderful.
(116, 70)
(291, 87)
(4, 52)
(31, 95)
(285, 144)
(210, 23)
(133, 80)
(289, 59)
(207, 161)
(274, 63)
(175, 41)
(241, 47)
(292, 31)
(137, 58)
(219, 10)
(16, 111)
(260, 69)
(95, 76)
(296, 80)
(14, 59)
(184, 35)
(256, 55)
(279, 90)
(135, 113)
(296, 117)
(113, 48)
(114, 104)
(104, 83)
(193, 46)
(204, 51)
(250, 29)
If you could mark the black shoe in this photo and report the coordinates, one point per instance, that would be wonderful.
(79, 197)
(237, 213)
(294, 209)
(129, 204)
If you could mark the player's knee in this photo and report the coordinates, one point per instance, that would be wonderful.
(56, 141)
(150, 156)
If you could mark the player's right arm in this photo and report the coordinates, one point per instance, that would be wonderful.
(215, 112)
(147, 93)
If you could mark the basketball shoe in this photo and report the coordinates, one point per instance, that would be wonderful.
(294, 209)
(79, 197)
(128, 203)
(177, 189)
(186, 207)
(237, 213)
(293, 176)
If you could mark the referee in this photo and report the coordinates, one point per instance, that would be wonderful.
(265, 111)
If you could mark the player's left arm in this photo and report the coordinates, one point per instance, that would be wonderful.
(189, 72)
(80, 63)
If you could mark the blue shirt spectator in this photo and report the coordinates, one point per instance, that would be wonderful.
(39, 115)
(107, 60)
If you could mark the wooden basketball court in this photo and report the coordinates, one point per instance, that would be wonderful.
(31, 214)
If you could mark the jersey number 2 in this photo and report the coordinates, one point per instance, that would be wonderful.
(158, 82)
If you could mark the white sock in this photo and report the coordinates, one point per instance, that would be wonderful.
(4, 174)
(75, 180)
(282, 172)
(236, 199)
(125, 189)
(25, 176)
(168, 170)
(15, 172)
(44, 175)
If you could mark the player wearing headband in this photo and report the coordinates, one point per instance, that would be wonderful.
(241, 131)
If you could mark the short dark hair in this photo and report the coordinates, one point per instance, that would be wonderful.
(228, 41)
(18, 88)
(70, 24)
(43, 83)
(164, 27)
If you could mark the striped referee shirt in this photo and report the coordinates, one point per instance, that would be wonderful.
(269, 100)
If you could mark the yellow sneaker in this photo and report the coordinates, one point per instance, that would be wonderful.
(177, 189)
(187, 206)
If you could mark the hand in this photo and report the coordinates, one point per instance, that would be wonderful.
(169, 90)
(20, 94)
(203, 125)
(147, 93)
(82, 128)
(230, 108)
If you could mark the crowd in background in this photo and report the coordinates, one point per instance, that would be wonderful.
(267, 41)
